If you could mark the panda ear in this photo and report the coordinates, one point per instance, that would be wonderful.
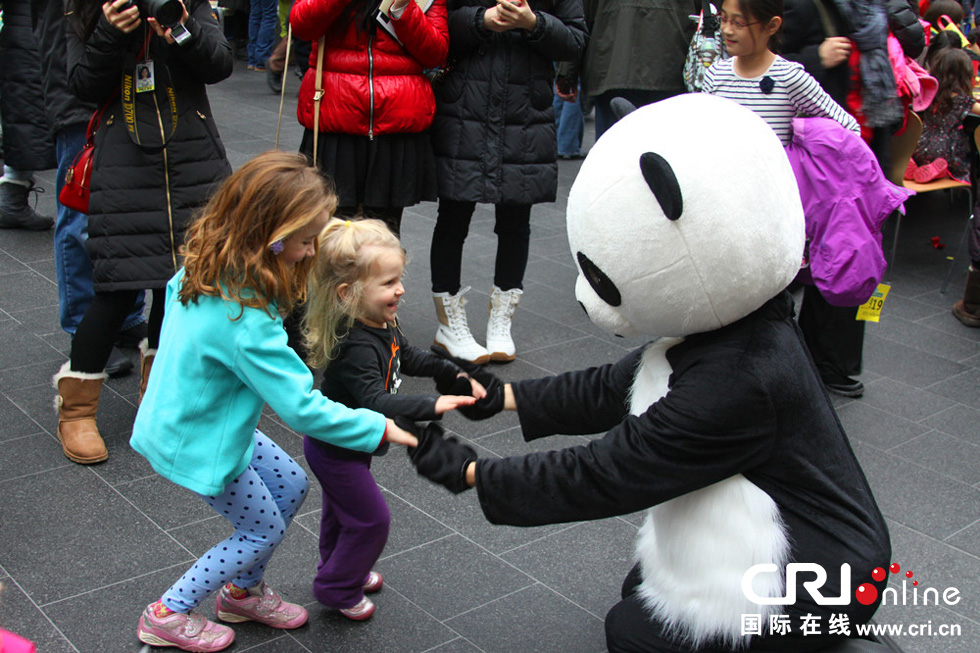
(661, 179)
(621, 107)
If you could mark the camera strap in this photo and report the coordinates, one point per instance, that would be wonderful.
(147, 138)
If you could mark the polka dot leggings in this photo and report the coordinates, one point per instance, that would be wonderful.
(260, 504)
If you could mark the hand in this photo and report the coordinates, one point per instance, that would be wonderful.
(400, 435)
(493, 398)
(564, 94)
(491, 20)
(165, 32)
(834, 51)
(516, 14)
(441, 460)
(122, 15)
(445, 403)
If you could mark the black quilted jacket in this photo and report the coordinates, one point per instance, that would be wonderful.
(143, 198)
(494, 131)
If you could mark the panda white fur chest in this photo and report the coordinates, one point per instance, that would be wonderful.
(693, 550)
(691, 241)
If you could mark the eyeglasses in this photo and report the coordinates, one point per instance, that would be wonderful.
(737, 23)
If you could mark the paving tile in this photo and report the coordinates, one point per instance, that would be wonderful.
(964, 388)
(531, 620)
(15, 422)
(445, 591)
(11, 266)
(21, 347)
(78, 514)
(21, 616)
(924, 338)
(877, 427)
(902, 400)
(957, 420)
(935, 504)
(943, 454)
(28, 290)
(913, 366)
(585, 564)
(397, 625)
(31, 454)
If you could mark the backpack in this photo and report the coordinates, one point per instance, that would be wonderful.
(706, 47)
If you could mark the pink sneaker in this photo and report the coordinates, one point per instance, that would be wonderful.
(361, 611)
(935, 169)
(374, 582)
(188, 632)
(261, 605)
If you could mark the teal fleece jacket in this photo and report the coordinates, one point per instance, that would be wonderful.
(211, 377)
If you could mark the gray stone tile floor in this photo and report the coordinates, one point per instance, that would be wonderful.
(83, 549)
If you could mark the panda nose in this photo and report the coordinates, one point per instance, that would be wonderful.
(601, 284)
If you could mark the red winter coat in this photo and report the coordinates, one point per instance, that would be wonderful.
(372, 85)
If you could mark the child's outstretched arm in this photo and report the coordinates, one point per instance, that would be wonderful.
(397, 435)
(446, 403)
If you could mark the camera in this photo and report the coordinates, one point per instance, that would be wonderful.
(166, 12)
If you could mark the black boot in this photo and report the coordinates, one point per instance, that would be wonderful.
(14, 210)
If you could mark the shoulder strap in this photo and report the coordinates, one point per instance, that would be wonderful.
(285, 70)
(318, 95)
(825, 20)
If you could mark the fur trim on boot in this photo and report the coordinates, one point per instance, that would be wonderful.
(146, 364)
(77, 403)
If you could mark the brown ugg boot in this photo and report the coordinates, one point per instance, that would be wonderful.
(77, 403)
(967, 310)
(146, 364)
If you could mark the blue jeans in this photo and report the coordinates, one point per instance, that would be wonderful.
(73, 267)
(262, 20)
(571, 125)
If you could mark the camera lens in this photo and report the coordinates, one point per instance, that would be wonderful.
(167, 12)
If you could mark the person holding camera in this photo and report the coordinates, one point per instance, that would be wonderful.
(157, 157)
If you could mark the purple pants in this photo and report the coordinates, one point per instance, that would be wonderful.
(354, 523)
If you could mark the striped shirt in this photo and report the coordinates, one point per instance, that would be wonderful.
(793, 93)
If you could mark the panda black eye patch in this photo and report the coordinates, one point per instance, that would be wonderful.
(601, 284)
(662, 181)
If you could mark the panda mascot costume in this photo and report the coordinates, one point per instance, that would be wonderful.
(686, 226)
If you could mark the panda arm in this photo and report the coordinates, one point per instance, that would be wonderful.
(576, 403)
(707, 428)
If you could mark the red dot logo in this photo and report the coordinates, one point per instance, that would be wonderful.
(915, 583)
(866, 594)
(878, 574)
(908, 574)
(895, 568)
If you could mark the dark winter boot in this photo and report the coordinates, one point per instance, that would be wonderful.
(14, 210)
(967, 310)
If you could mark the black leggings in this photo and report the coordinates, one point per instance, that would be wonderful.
(96, 333)
(513, 229)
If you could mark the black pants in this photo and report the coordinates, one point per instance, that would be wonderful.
(96, 333)
(629, 627)
(513, 229)
(833, 335)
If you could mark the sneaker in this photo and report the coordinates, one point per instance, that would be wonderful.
(374, 582)
(360, 612)
(262, 605)
(931, 171)
(188, 632)
(844, 386)
(118, 364)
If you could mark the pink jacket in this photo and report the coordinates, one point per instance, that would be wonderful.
(846, 198)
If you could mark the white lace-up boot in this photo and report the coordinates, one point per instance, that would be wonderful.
(502, 306)
(453, 336)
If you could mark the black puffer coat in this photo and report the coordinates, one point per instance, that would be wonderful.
(28, 143)
(494, 131)
(142, 199)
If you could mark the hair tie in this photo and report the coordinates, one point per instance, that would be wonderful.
(346, 223)
(277, 247)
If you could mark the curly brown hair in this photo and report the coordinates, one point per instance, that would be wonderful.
(228, 250)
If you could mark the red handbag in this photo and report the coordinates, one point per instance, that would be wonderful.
(78, 178)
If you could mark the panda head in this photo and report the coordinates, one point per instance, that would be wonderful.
(684, 217)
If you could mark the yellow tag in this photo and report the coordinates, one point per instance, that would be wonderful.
(870, 310)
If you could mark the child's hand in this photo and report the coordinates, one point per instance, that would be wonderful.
(516, 14)
(446, 403)
(398, 435)
(477, 389)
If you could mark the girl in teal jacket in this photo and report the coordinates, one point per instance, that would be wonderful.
(223, 355)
